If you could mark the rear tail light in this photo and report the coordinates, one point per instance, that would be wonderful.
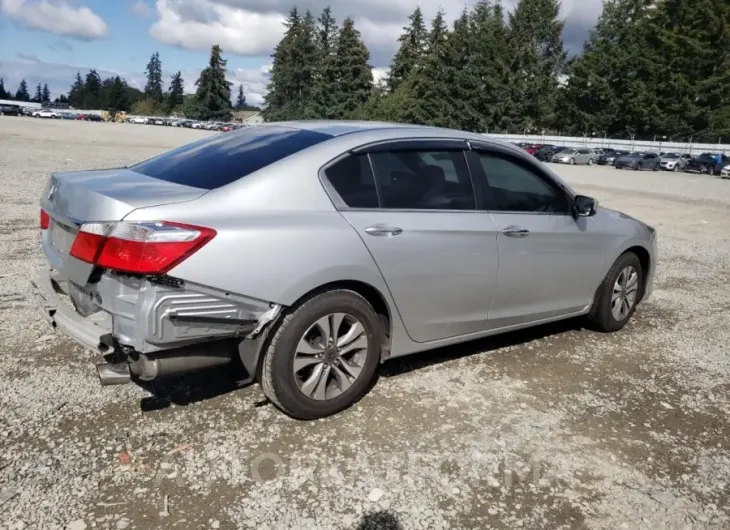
(140, 248)
(45, 220)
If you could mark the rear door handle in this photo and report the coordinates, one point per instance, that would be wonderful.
(516, 231)
(383, 230)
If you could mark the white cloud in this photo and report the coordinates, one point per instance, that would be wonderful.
(142, 9)
(199, 24)
(58, 17)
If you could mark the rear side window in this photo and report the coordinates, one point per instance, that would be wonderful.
(226, 157)
(353, 181)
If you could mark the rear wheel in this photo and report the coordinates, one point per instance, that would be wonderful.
(590, 161)
(323, 355)
(618, 295)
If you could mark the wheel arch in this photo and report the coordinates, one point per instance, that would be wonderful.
(644, 260)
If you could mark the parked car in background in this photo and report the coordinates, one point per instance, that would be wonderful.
(725, 172)
(707, 163)
(93, 117)
(10, 110)
(139, 120)
(45, 113)
(546, 152)
(609, 157)
(674, 161)
(157, 257)
(575, 156)
(531, 148)
(638, 161)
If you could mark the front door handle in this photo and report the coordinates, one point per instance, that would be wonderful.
(383, 230)
(516, 231)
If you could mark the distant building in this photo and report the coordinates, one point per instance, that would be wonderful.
(248, 117)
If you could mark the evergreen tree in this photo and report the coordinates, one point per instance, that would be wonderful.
(214, 92)
(176, 92)
(153, 88)
(241, 99)
(38, 98)
(431, 99)
(535, 47)
(61, 99)
(293, 71)
(118, 99)
(605, 90)
(46, 94)
(92, 91)
(411, 51)
(351, 71)
(76, 94)
(22, 92)
(3, 93)
(325, 84)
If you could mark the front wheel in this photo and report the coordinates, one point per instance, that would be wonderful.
(572, 161)
(323, 355)
(590, 161)
(618, 295)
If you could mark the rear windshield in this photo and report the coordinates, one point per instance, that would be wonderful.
(226, 157)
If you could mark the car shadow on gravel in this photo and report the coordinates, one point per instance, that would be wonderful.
(409, 363)
(379, 521)
(195, 387)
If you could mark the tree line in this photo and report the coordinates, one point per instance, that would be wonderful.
(211, 100)
(648, 68)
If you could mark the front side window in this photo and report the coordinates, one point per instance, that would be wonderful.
(423, 180)
(515, 187)
(224, 158)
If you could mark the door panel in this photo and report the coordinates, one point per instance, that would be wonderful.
(441, 268)
(551, 271)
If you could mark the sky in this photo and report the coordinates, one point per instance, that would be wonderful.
(48, 41)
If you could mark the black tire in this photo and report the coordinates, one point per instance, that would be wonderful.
(600, 316)
(638, 167)
(656, 167)
(277, 377)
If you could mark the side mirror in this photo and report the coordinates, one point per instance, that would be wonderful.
(584, 206)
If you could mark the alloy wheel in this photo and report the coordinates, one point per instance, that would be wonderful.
(624, 293)
(330, 356)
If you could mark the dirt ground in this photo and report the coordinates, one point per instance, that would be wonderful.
(556, 427)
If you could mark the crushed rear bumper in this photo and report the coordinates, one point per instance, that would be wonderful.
(93, 332)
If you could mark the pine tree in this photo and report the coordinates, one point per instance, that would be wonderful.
(76, 94)
(92, 91)
(293, 71)
(535, 46)
(22, 92)
(431, 101)
(46, 95)
(325, 83)
(118, 99)
(411, 51)
(241, 99)
(153, 88)
(605, 89)
(3, 93)
(38, 98)
(351, 71)
(214, 92)
(176, 92)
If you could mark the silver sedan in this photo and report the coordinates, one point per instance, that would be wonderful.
(308, 253)
(576, 156)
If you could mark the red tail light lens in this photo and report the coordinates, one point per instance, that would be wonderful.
(140, 248)
(45, 220)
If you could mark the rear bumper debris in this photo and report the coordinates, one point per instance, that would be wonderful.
(93, 332)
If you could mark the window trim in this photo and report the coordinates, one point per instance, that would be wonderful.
(498, 150)
(401, 144)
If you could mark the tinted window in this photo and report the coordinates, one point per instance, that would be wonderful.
(517, 188)
(353, 181)
(224, 158)
(423, 180)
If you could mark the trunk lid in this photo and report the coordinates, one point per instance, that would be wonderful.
(72, 198)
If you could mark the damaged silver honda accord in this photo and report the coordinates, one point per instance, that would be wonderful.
(309, 252)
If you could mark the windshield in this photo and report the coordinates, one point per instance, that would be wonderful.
(670, 155)
(635, 155)
(219, 160)
(568, 152)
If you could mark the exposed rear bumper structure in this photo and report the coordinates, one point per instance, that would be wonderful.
(99, 332)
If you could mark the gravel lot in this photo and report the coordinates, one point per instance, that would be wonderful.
(553, 428)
